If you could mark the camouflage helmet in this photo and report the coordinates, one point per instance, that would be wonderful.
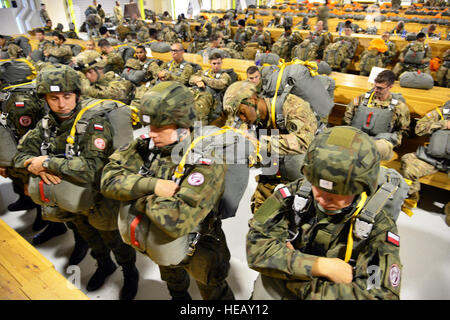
(57, 78)
(90, 59)
(133, 64)
(342, 160)
(167, 103)
(235, 94)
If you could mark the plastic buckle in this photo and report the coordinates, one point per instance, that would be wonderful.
(193, 243)
(362, 229)
(69, 151)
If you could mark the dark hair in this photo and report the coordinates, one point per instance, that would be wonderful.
(152, 32)
(215, 56)
(385, 76)
(60, 36)
(214, 37)
(220, 20)
(241, 22)
(140, 47)
(252, 69)
(348, 24)
(420, 35)
(39, 30)
(103, 30)
(103, 43)
(287, 28)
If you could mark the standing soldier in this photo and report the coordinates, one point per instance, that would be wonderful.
(43, 14)
(118, 13)
(176, 69)
(43, 153)
(183, 221)
(97, 84)
(322, 14)
(306, 239)
(381, 114)
(295, 121)
(432, 158)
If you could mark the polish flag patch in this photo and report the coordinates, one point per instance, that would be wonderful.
(98, 127)
(284, 192)
(20, 104)
(393, 239)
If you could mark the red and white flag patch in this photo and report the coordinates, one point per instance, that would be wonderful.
(393, 239)
(98, 127)
(20, 104)
(284, 192)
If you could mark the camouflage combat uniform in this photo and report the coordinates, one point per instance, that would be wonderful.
(416, 46)
(413, 167)
(225, 31)
(110, 86)
(114, 62)
(10, 50)
(58, 54)
(399, 123)
(131, 175)
(443, 73)
(287, 272)
(180, 72)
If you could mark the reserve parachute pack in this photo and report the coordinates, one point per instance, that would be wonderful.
(416, 79)
(415, 53)
(67, 195)
(390, 195)
(299, 78)
(208, 143)
(20, 111)
(15, 71)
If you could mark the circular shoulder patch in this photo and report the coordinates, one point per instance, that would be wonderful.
(100, 143)
(25, 121)
(196, 179)
(394, 275)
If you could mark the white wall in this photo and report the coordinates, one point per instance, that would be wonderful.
(20, 19)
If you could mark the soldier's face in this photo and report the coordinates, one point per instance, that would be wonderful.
(40, 36)
(91, 75)
(381, 90)
(141, 54)
(90, 45)
(177, 53)
(348, 31)
(57, 41)
(61, 102)
(216, 65)
(331, 201)
(247, 114)
(254, 77)
(164, 135)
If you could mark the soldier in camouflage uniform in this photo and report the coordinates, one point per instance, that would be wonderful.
(322, 14)
(104, 34)
(262, 37)
(413, 49)
(209, 87)
(286, 42)
(298, 239)
(59, 52)
(143, 175)
(381, 114)
(114, 61)
(422, 162)
(391, 52)
(443, 73)
(223, 29)
(8, 49)
(176, 69)
(41, 152)
(351, 44)
(254, 76)
(241, 37)
(244, 108)
(97, 84)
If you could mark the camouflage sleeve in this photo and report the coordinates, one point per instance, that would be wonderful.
(350, 111)
(401, 122)
(153, 69)
(59, 51)
(29, 146)
(184, 76)
(95, 147)
(377, 274)
(115, 59)
(199, 73)
(301, 125)
(116, 90)
(267, 252)
(120, 178)
(199, 193)
(218, 84)
(14, 51)
(431, 122)
(403, 52)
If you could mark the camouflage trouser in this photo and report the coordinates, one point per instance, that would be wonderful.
(102, 242)
(267, 288)
(264, 189)
(443, 77)
(385, 148)
(400, 67)
(19, 180)
(209, 267)
(413, 168)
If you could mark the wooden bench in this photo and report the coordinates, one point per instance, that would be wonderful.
(27, 275)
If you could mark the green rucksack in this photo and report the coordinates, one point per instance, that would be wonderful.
(369, 60)
(335, 54)
(307, 50)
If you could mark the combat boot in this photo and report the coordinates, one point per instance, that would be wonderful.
(52, 230)
(105, 267)
(130, 282)
(38, 223)
(23, 203)
(80, 249)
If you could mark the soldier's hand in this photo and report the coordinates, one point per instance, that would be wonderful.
(49, 178)
(401, 59)
(334, 269)
(166, 188)
(3, 172)
(34, 165)
(200, 84)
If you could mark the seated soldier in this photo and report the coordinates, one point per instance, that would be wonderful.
(304, 24)
(262, 38)
(286, 42)
(429, 32)
(114, 61)
(176, 69)
(443, 73)
(432, 158)
(97, 84)
(241, 37)
(104, 34)
(254, 76)
(71, 34)
(380, 114)
(214, 81)
(391, 52)
(415, 56)
(8, 49)
(59, 52)
(340, 53)
(399, 29)
(223, 29)
(373, 57)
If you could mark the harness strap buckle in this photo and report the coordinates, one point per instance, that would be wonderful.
(193, 243)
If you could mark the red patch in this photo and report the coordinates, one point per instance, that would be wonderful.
(98, 127)
(20, 104)
(393, 239)
(25, 121)
(285, 192)
(100, 143)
